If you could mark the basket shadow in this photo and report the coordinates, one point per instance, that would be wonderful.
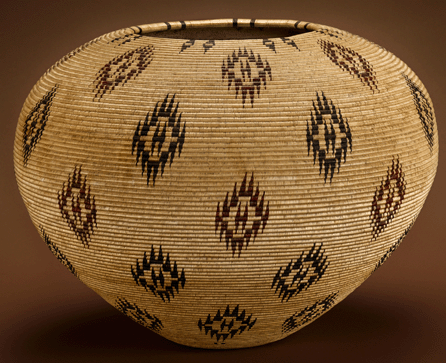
(102, 334)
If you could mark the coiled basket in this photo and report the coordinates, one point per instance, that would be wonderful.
(225, 182)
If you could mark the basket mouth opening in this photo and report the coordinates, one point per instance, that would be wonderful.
(227, 33)
(227, 29)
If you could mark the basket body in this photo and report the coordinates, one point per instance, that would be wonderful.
(226, 190)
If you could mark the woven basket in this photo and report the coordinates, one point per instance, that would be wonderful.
(226, 182)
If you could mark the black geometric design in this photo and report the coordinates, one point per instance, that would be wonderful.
(352, 62)
(331, 33)
(208, 45)
(77, 206)
(300, 275)
(308, 314)
(35, 123)
(57, 252)
(328, 135)
(187, 45)
(121, 69)
(235, 219)
(158, 138)
(290, 42)
(246, 77)
(158, 275)
(393, 247)
(125, 39)
(425, 111)
(226, 325)
(139, 315)
(387, 199)
(269, 44)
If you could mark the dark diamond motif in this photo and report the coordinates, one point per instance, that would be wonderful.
(241, 216)
(387, 199)
(425, 111)
(393, 247)
(57, 252)
(77, 205)
(350, 61)
(299, 275)
(158, 138)
(226, 325)
(158, 275)
(290, 42)
(35, 123)
(121, 69)
(246, 73)
(269, 44)
(328, 135)
(139, 315)
(308, 314)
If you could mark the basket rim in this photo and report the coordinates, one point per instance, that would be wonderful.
(227, 23)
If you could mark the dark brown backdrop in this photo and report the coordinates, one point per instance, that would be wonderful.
(47, 315)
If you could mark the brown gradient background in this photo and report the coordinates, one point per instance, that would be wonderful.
(47, 315)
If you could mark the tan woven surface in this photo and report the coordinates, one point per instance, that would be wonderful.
(267, 168)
